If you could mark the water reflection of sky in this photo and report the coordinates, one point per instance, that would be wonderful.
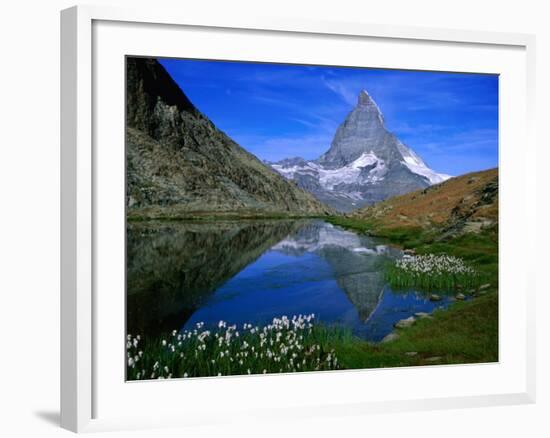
(324, 270)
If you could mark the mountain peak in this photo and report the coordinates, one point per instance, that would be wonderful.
(368, 107)
(364, 164)
(365, 99)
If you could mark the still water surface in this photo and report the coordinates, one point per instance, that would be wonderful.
(252, 271)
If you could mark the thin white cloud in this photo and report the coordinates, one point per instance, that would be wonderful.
(344, 89)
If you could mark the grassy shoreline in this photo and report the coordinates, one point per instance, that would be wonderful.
(282, 346)
(466, 332)
(479, 249)
(205, 216)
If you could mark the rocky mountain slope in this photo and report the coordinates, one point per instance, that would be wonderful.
(365, 163)
(179, 163)
(468, 203)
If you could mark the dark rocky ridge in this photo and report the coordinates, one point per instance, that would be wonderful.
(179, 163)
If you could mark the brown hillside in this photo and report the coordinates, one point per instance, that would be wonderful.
(465, 203)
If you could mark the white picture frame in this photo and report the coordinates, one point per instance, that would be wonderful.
(81, 373)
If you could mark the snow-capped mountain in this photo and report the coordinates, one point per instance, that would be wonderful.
(364, 164)
(319, 237)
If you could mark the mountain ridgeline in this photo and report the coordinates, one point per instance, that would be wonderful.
(365, 163)
(179, 164)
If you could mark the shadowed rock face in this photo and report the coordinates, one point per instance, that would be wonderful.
(173, 268)
(178, 162)
(364, 164)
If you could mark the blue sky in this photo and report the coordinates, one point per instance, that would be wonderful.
(278, 111)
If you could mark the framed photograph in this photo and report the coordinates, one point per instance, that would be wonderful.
(301, 218)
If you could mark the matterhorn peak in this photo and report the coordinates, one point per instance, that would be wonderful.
(367, 105)
(364, 164)
(364, 98)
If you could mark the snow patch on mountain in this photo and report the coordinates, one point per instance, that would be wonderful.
(426, 172)
(352, 173)
(329, 236)
(290, 171)
(416, 165)
(329, 179)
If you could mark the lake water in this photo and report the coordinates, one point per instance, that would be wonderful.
(252, 271)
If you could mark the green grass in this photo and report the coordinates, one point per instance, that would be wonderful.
(408, 237)
(479, 250)
(467, 332)
(136, 216)
(399, 278)
(281, 347)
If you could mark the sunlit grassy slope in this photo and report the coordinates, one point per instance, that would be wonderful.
(469, 201)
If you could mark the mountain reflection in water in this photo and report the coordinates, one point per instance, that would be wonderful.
(251, 271)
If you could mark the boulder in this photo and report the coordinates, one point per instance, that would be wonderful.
(390, 337)
(460, 297)
(404, 323)
(435, 297)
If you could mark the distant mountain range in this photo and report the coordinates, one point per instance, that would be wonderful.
(178, 163)
(364, 164)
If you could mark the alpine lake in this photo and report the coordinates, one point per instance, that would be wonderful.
(251, 271)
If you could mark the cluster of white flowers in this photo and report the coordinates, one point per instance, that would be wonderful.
(281, 346)
(133, 354)
(434, 264)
